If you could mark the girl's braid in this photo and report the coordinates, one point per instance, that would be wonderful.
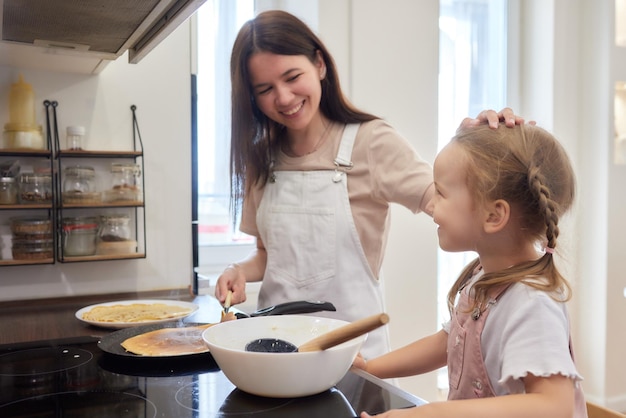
(536, 184)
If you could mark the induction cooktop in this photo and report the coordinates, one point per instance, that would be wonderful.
(74, 378)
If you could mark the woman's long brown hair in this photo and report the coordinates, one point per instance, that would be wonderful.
(252, 133)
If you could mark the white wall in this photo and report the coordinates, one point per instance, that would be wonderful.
(399, 83)
(160, 87)
(568, 72)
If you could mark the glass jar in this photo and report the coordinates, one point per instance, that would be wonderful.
(79, 179)
(115, 236)
(114, 228)
(29, 249)
(80, 235)
(34, 227)
(8, 191)
(35, 188)
(79, 185)
(74, 137)
(32, 238)
(126, 183)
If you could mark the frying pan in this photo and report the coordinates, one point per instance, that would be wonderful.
(111, 343)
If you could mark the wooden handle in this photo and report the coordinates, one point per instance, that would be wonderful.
(227, 302)
(345, 333)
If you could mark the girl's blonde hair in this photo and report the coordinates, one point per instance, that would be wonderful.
(527, 167)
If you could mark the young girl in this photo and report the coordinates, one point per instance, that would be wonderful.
(508, 349)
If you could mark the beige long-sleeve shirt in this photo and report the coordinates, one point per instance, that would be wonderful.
(387, 169)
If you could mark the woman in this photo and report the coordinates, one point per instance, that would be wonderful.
(316, 175)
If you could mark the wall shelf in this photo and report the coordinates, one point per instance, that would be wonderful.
(56, 210)
(136, 207)
(7, 263)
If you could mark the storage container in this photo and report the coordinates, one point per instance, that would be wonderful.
(35, 188)
(126, 183)
(28, 249)
(21, 106)
(79, 185)
(27, 226)
(114, 236)
(8, 191)
(74, 138)
(24, 139)
(114, 228)
(80, 235)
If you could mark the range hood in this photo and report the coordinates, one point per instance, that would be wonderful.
(65, 31)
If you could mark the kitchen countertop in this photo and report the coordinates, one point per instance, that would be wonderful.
(41, 324)
(43, 319)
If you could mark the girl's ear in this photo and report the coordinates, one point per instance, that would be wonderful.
(498, 215)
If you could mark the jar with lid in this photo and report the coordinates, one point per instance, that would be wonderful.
(79, 185)
(29, 249)
(114, 228)
(32, 249)
(35, 188)
(74, 138)
(115, 235)
(126, 183)
(8, 191)
(22, 131)
(31, 238)
(35, 227)
(80, 235)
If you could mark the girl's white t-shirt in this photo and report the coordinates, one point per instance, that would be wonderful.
(527, 331)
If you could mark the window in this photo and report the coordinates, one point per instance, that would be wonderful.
(217, 241)
(472, 77)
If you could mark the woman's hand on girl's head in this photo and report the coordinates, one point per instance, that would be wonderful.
(494, 118)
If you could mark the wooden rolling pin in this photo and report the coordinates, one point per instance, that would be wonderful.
(345, 333)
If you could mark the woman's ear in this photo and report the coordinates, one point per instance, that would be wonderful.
(498, 215)
(320, 64)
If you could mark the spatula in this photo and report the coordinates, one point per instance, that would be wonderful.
(324, 341)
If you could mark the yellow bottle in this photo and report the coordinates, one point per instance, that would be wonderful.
(21, 131)
(21, 107)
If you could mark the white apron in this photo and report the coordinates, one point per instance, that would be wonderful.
(313, 248)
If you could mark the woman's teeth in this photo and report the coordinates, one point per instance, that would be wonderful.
(294, 110)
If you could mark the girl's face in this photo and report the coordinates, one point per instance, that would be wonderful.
(287, 88)
(452, 205)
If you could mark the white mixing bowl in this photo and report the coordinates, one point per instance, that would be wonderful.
(280, 375)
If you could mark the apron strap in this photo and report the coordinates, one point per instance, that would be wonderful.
(344, 154)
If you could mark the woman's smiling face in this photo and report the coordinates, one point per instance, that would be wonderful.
(287, 88)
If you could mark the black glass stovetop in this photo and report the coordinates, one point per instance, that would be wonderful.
(74, 378)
